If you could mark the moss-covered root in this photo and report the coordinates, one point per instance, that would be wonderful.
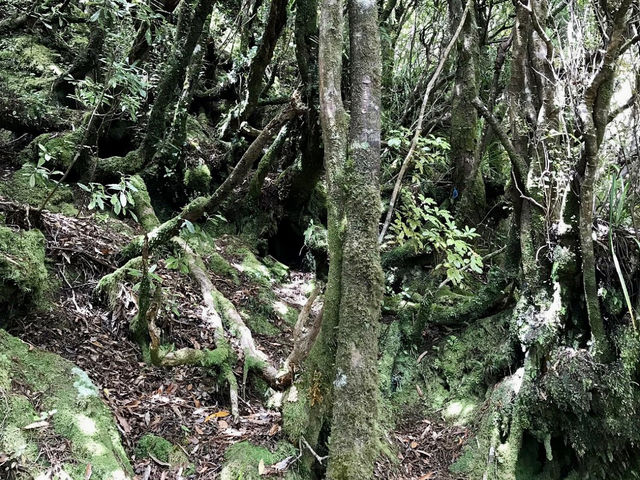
(142, 205)
(456, 309)
(212, 320)
(108, 286)
(254, 358)
(69, 411)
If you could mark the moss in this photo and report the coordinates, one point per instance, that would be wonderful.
(108, 168)
(109, 286)
(69, 402)
(23, 273)
(220, 266)
(61, 146)
(17, 188)
(279, 271)
(253, 267)
(243, 458)
(142, 205)
(152, 445)
(198, 179)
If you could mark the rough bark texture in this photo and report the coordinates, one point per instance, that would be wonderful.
(594, 114)
(275, 23)
(464, 118)
(190, 25)
(354, 441)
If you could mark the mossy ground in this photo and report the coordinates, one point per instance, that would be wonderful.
(41, 386)
(18, 189)
(242, 460)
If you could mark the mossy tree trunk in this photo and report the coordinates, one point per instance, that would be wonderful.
(192, 17)
(354, 443)
(464, 118)
(305, 178)
(275, 24)
(594, 115)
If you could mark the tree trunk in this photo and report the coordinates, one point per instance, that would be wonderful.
(464, 118)
(354, 440)
(272, 31)
(190, 25)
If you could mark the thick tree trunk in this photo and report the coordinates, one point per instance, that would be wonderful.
(354, 439)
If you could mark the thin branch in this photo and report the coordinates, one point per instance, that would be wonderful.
(414, 143)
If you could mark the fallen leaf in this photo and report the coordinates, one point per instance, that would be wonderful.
(261, 468)
(220, 414)
(222, 425)
(34, 425)
(414, 444)
(88, 471)
(275, 428)
(427, 476)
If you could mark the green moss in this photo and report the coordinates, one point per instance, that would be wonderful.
(279, 271)
(198, 179)
(69, 402)
(23, 273)
(17, 188)
(242, 460)
(61, 146)
(220, 266)
(161, 449)
(253, 267)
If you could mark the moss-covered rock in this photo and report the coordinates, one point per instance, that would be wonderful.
(23, 273)
(151, 445)
(51, 400)
(17, 189)
(242, 460)
(197, 180)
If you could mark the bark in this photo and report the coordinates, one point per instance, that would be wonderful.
(193, 16)
(354, 439)
(464, 118)
(275, 24)
(319, 369)
(305, 178)
(594, 114)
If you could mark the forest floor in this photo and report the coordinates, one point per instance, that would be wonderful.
(183, 404)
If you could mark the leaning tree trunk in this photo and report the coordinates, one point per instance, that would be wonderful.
(354, 441)
(275, 24)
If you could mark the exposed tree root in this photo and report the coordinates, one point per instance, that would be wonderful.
(302, 341)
